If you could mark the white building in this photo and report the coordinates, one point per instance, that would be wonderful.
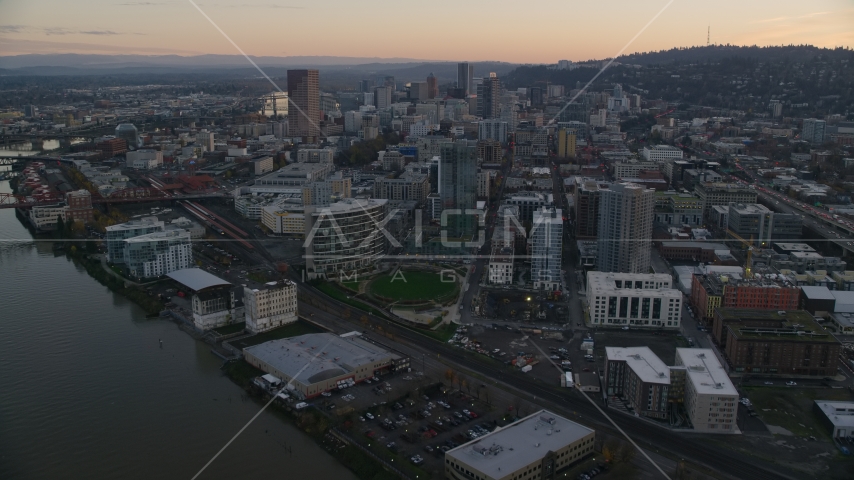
(484, 180)
(639, 300)
(155, 254)
(660, 153)
(212, 298)
(537, 446)
(144, 159)
(282, 219)
(262, 164)
(315, 155)
(116, 235)
(353, 121)
(839, 415)
(711, 399)
(44, 217)
(270, 305)
(546, 247)
(501, 265)
(492, 130)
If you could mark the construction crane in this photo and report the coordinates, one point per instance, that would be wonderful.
(748, 264)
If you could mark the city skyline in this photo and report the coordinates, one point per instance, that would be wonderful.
(176, 27)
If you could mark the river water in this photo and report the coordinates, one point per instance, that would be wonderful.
(86, 391)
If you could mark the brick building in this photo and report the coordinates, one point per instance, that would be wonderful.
(731, 290)
(776, 342)
(80, 206)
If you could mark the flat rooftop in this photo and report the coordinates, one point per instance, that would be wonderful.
(196, 279)
(840, 413)
(817, 293)
(705, 372)
(315, 357)
(646, 365)
(519, 444)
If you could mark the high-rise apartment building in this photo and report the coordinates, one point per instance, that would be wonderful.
(813, 131)
(566, 143)
(587, 207)
(116, 234)
(625, 228)
(304, 94)
(492, 130)
(489, 97)
(458, 185)
(546, 248)
(465, 77)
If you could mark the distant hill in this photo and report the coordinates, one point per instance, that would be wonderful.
(794, 53)
(404, 69)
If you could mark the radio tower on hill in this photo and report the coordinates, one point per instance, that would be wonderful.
(708, 35)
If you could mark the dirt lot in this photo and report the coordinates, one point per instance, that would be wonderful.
(792, 408)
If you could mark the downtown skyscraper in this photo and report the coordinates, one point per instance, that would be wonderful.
(465, 77)
(458, 186)
(625, 228)
(304, 95)
(489, 97)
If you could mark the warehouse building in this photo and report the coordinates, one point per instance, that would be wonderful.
(212, 298)
(538, 446)
(318, 362)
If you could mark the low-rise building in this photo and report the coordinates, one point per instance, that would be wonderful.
(116, 235)
(79, 204)
(44, 218)
(212, 298)
(712, 194)
(270, 305)
(640, 300)
(501, 265)
(539, 446)
(661, 153)
(408, 186)
(711, 399)
(284, 219)
(318, 362)
(262, 164)
(144, 159)
(757, 222)
(158, 253)
(775, 342)
(838, 415)
(691, 251)
(640, 377)
(732, 290)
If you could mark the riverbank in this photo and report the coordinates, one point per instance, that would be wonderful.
(150, 303)
(314, 424)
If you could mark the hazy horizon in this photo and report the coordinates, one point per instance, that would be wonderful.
(477, 30)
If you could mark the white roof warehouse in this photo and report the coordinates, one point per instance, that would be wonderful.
(537, 446)
(317, 362)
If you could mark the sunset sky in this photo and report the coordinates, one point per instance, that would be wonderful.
(537, 31)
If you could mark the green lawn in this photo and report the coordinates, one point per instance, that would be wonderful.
(291, 330)
(412, 286)
(792, 407)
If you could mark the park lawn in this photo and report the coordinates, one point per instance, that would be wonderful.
(410, 285)
(352, 285)
(792, 407)
(297, 328)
